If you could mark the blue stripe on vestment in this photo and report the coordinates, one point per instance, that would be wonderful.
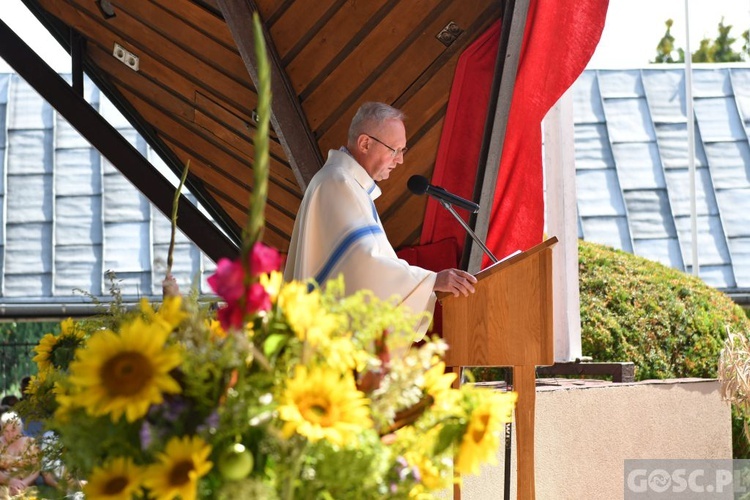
(342, 247)
(374, 210)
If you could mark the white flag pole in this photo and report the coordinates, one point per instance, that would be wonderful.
(691, 143)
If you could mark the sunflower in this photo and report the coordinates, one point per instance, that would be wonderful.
(321, 404)
(56, 351)
(171, 312)
(437, 383)
(118, 479)
(176, 474)
(482, 437)
(305, 313)
(343, 355)
(35, 383)
(125, 373)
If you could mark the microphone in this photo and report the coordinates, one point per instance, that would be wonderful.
(419, 185)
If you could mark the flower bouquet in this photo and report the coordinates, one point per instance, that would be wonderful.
(287, 390)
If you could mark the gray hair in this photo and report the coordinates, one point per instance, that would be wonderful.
(11, 417)
(370, 115)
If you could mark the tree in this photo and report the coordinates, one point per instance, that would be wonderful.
(709, 51)
(665, 50)
(17, 342)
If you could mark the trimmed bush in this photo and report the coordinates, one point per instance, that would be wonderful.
(670, 324)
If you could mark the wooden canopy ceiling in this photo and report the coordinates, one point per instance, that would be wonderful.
(192, 94)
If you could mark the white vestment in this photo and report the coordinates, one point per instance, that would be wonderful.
(338, 231)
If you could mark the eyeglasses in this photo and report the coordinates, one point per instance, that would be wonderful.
(394, 152)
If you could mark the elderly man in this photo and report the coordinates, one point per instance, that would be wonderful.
(338, 229)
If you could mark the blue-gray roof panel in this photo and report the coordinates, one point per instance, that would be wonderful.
(29, 198)
(711, 82)
(672, 139)
(77, 267)
(638, 165)
(663, 250)
(587, 101)
(649, 214)
(599, 193)
(629, 120)
(665, 94)
(620, 83)
(719, 120)
(678, 181)
(729, 163)
(592, 148)
(712, 247)
(78, 220)
(77, 172)
(612, 231)
(29, 152)
(740, 250)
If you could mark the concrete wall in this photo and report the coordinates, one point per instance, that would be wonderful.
(584, 432)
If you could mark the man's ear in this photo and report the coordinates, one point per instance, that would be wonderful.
(363, 143)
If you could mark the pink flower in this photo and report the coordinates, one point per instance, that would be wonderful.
(264, 259)
(228, 280)
(234, 316)
(257, 299)
(231, 316)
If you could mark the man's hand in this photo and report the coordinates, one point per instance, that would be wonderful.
(455, 281)
(16, 486)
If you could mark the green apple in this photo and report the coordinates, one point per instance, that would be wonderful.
(235, 462)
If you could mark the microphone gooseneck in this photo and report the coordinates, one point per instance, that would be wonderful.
(419, 185)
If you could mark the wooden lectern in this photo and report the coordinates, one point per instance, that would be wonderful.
(508, 322)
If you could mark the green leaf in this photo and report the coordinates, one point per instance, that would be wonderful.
(449, 434)
(273, 344)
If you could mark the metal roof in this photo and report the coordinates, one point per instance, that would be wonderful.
(68, 216)
(632, 166)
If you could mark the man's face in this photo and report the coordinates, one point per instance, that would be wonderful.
(376, 149)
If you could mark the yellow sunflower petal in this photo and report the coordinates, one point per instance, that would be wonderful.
(125, 373)
(321, 404)
(118, 479)
(183, 462)
(482, 438)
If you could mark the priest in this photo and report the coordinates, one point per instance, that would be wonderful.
(338, 230)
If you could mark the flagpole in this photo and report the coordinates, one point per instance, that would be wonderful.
(691, 143)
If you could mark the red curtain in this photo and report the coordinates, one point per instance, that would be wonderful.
(559, 39)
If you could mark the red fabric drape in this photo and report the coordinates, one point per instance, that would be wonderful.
(559, 39)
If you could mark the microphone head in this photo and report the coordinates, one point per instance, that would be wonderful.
(417, 184)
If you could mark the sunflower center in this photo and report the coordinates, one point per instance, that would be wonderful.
(115, 485)
(180, 473)
(127, 373)
(317, 411)
(480, 429)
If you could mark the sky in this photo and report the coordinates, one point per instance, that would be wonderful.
(631, 32)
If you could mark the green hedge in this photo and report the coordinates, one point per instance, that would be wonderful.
(670, 324)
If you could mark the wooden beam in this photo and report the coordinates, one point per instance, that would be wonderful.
(511, 41)
(287, 117)
(108, 141)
